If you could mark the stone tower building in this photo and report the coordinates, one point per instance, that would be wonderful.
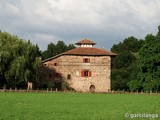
(86, 68)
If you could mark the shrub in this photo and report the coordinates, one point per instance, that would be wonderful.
(51, 85)
(66, 86)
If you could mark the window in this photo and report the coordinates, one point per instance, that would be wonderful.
(55, 64)
(86, 73)
(69, 76)
(86, 60)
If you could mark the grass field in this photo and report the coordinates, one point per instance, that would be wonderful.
(76, 106)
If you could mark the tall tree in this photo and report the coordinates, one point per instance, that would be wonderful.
(125, 65)
(54, 49)
(19, 60)
(131, 44)
(150, 62)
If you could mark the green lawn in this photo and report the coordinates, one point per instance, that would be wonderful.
(76, 106)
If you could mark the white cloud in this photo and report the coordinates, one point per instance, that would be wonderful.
(106, 21)
(49, 38)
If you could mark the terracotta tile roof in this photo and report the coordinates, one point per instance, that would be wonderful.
(88, 51)
(85, 51)
(86, 41)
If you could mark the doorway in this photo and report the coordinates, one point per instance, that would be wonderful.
(92, 88)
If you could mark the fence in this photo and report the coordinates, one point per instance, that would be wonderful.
(26, 90)
(52, 91)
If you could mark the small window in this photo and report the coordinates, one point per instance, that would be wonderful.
(69, 76)
(86, 73)
(55, 64)
(86, 60)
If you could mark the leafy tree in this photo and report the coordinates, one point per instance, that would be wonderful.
(69, 47)
(118, 48)
(131, 44)
(60, 47)
(150, 62)
(134, 84)
(54, 49)
(119, 80)
(125, 66)
(124, 60)
(142, 62)
(19, 60)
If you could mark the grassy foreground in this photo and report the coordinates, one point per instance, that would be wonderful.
(76, 106)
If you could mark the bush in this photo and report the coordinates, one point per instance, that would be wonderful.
(66, 86)
(51, 85)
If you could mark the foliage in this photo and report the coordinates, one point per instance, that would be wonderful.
(141, 59)
(119, 79)
(124, 60)
(131, 44)
(75, 106)
(66, 86)
(126, 65)
(19, 60)
(55, 49)
(150, 63)
(51, 85)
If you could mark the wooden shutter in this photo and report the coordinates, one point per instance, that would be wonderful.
(83, 59)
(90, 73)
(82, 73)
(89, 60)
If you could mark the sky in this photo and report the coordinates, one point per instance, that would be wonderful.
(106, 22)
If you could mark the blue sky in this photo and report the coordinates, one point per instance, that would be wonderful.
(106, 22)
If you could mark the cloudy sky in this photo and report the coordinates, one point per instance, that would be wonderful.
(106, 22)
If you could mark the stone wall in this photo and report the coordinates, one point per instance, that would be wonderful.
(71, 67)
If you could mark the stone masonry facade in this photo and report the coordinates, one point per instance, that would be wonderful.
(71, 69)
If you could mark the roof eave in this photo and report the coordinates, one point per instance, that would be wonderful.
(113, 55)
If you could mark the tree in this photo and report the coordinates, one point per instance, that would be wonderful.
(125, 65)
(19, 60)
(119, 79)
(130, 44)
(55, 49)
(124, 60)
(150, 62)
(134, 84)
(142, 62)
